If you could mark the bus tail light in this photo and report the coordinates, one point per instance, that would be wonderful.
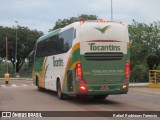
(81, 22)
(127, 71)
(79, 70)
(83, 88)
(102, 21)
(79, 77)
(122, 23)
(124, 86)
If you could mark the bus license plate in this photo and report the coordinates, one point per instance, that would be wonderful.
(104, 88)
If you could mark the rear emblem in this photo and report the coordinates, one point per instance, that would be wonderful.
(104, 29)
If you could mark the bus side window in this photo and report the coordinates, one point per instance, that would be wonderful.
(74, 34)
(40, 51)
(57, 44)
(67, 36)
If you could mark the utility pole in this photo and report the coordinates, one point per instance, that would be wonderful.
(6, 76)
(111, 12)
(6, 54)
(16, 49)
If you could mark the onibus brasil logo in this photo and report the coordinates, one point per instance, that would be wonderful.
(104, 29)
(94, 47)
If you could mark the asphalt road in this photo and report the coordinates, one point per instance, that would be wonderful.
(23, 96)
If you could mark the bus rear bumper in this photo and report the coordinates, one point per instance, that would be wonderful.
(107, 92)
(105, 89)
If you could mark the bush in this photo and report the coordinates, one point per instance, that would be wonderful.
(26, 70)
(3, 69)
(139, 74)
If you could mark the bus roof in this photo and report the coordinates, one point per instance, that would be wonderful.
(48, 35)
(78, 24)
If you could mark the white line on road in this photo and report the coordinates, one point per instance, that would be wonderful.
(24, 85)
(4, 86)
(13, 85)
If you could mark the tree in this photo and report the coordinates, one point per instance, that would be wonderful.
(153, 61)
(145, 49)
(144, 39)
(25, 43)
(0, 60)
(62, 23)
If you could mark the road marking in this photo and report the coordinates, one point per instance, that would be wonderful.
(4, 86)
(14, 85)
(24, 85)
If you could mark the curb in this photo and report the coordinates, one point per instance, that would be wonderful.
(153, 85)
(138, 84)
(154, 91)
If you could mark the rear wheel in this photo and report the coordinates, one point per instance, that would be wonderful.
(39, 88)
(38, 85)
(59, 91)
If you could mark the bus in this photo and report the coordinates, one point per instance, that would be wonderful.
(84, 58)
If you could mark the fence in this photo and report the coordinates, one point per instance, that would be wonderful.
(154, 76)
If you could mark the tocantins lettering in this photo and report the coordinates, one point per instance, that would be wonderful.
(94, 47)
(57, 63)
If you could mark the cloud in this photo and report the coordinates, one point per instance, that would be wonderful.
(126, 10)
(42, 14)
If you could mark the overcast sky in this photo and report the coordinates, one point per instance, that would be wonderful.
(42, 14)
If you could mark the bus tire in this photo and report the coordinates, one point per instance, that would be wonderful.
(59, 91)
(38, 86)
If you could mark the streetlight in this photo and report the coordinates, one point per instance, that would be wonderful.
(16, 48)
(111, 12)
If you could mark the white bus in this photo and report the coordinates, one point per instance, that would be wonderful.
(84, 58)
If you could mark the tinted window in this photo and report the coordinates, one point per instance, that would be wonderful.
(67, 36)
(56, 44)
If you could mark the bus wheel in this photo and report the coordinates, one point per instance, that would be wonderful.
(99, 97)
(39, 88)
(59, 91)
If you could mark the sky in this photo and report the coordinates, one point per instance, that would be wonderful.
(42, 14)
